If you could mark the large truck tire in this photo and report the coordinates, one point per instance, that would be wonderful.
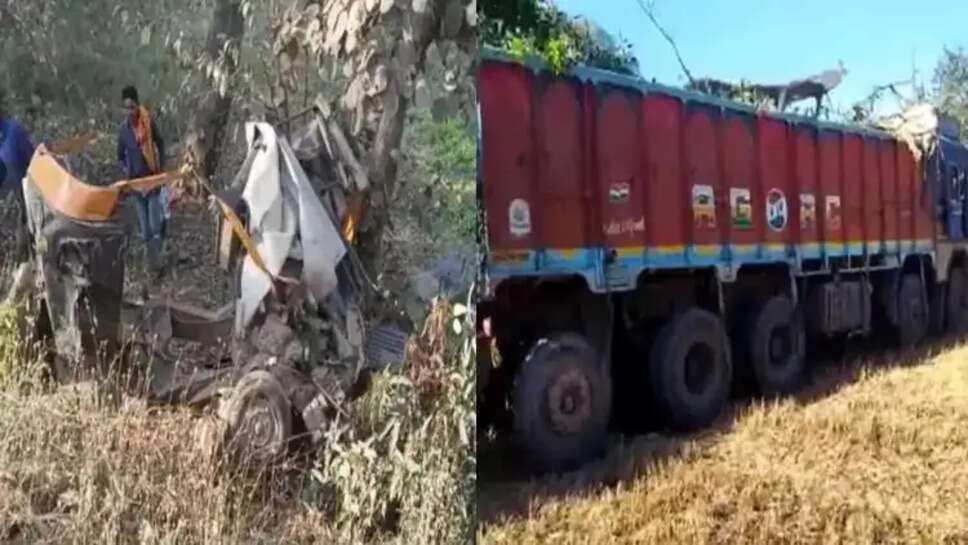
(956, 300)
(562, 401)
(775, 347)
(938, 295)
(690, 369)
(912, 312)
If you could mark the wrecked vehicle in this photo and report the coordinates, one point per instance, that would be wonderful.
(296, 329)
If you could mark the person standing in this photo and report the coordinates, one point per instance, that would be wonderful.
(16, 151)
(141, 152)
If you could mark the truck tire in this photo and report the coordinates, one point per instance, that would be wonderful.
(912, 313)
(690, 369)
(258, 420)
(939, 303)
(562, 401)
(957, 300)
(775, 347)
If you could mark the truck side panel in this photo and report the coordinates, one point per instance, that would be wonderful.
(564, 221)
(873, 203)
(665, 170)
(777, 187)
(807, 201)
(606, 180)
(853, 198)
(508, 158)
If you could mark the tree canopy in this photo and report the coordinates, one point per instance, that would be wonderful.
(537, 27)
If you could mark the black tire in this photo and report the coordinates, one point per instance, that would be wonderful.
(912, 312)
(956, 300)
(775, 347)
(938, 303)
(690, 370)
(258, 420)
(560, 370)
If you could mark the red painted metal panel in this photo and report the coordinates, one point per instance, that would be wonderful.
(702, 177)
(905, 189)
(923, 205)
(776, 182)
(508, 158)
(853, 204)
(563, 220)
(666, 211)
(746, 208)
(831, 211)
(873, 206)
(569, 165)
(808, 201)
(621, 185)
(889, 193)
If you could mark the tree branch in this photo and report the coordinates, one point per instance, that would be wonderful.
(647, 9)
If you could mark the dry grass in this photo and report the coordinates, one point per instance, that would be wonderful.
(881, 460)
(76, 467)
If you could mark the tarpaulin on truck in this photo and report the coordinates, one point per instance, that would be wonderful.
(916, 126)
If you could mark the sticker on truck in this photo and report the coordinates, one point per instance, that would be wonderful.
(704, 206)
(519, 218)
(833, 212)
(741, 208)
(619, 193)
(808, 211)
(776, 209)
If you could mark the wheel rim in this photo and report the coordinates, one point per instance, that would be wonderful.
(700, 369)
(258, 430)
(569, 402)
(780, 346)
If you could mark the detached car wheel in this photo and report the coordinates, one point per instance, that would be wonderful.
(562, 401)
(258, 420)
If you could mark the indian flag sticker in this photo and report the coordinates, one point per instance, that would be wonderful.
(619, 193)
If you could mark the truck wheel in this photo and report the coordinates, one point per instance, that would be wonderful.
(259, 420)
(938, 303)
(775, 347)
(562, 401)
(957, 300)
(690, 369)
(912, 313)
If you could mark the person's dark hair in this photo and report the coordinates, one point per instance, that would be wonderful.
(130, 92)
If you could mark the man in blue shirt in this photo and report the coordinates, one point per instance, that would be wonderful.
(141, 152)
(16, 150)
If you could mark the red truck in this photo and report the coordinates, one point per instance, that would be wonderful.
(655, 249)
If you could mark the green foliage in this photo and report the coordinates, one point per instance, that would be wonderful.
(951, 85)
(405, 470)
(537, 28)
(71, 73)
(439, 198)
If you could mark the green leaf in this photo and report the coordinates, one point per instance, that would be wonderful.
(460, 309)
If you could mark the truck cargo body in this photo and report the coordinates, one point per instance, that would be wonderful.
(681, 247)
(578, 168)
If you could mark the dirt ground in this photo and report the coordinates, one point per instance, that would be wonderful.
(872, 452)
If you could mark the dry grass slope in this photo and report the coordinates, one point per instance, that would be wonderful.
(883, 460)
(80, 465)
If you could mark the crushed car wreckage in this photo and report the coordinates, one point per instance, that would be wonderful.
(296, 329)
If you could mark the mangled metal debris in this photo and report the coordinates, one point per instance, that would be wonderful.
(298, 341)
